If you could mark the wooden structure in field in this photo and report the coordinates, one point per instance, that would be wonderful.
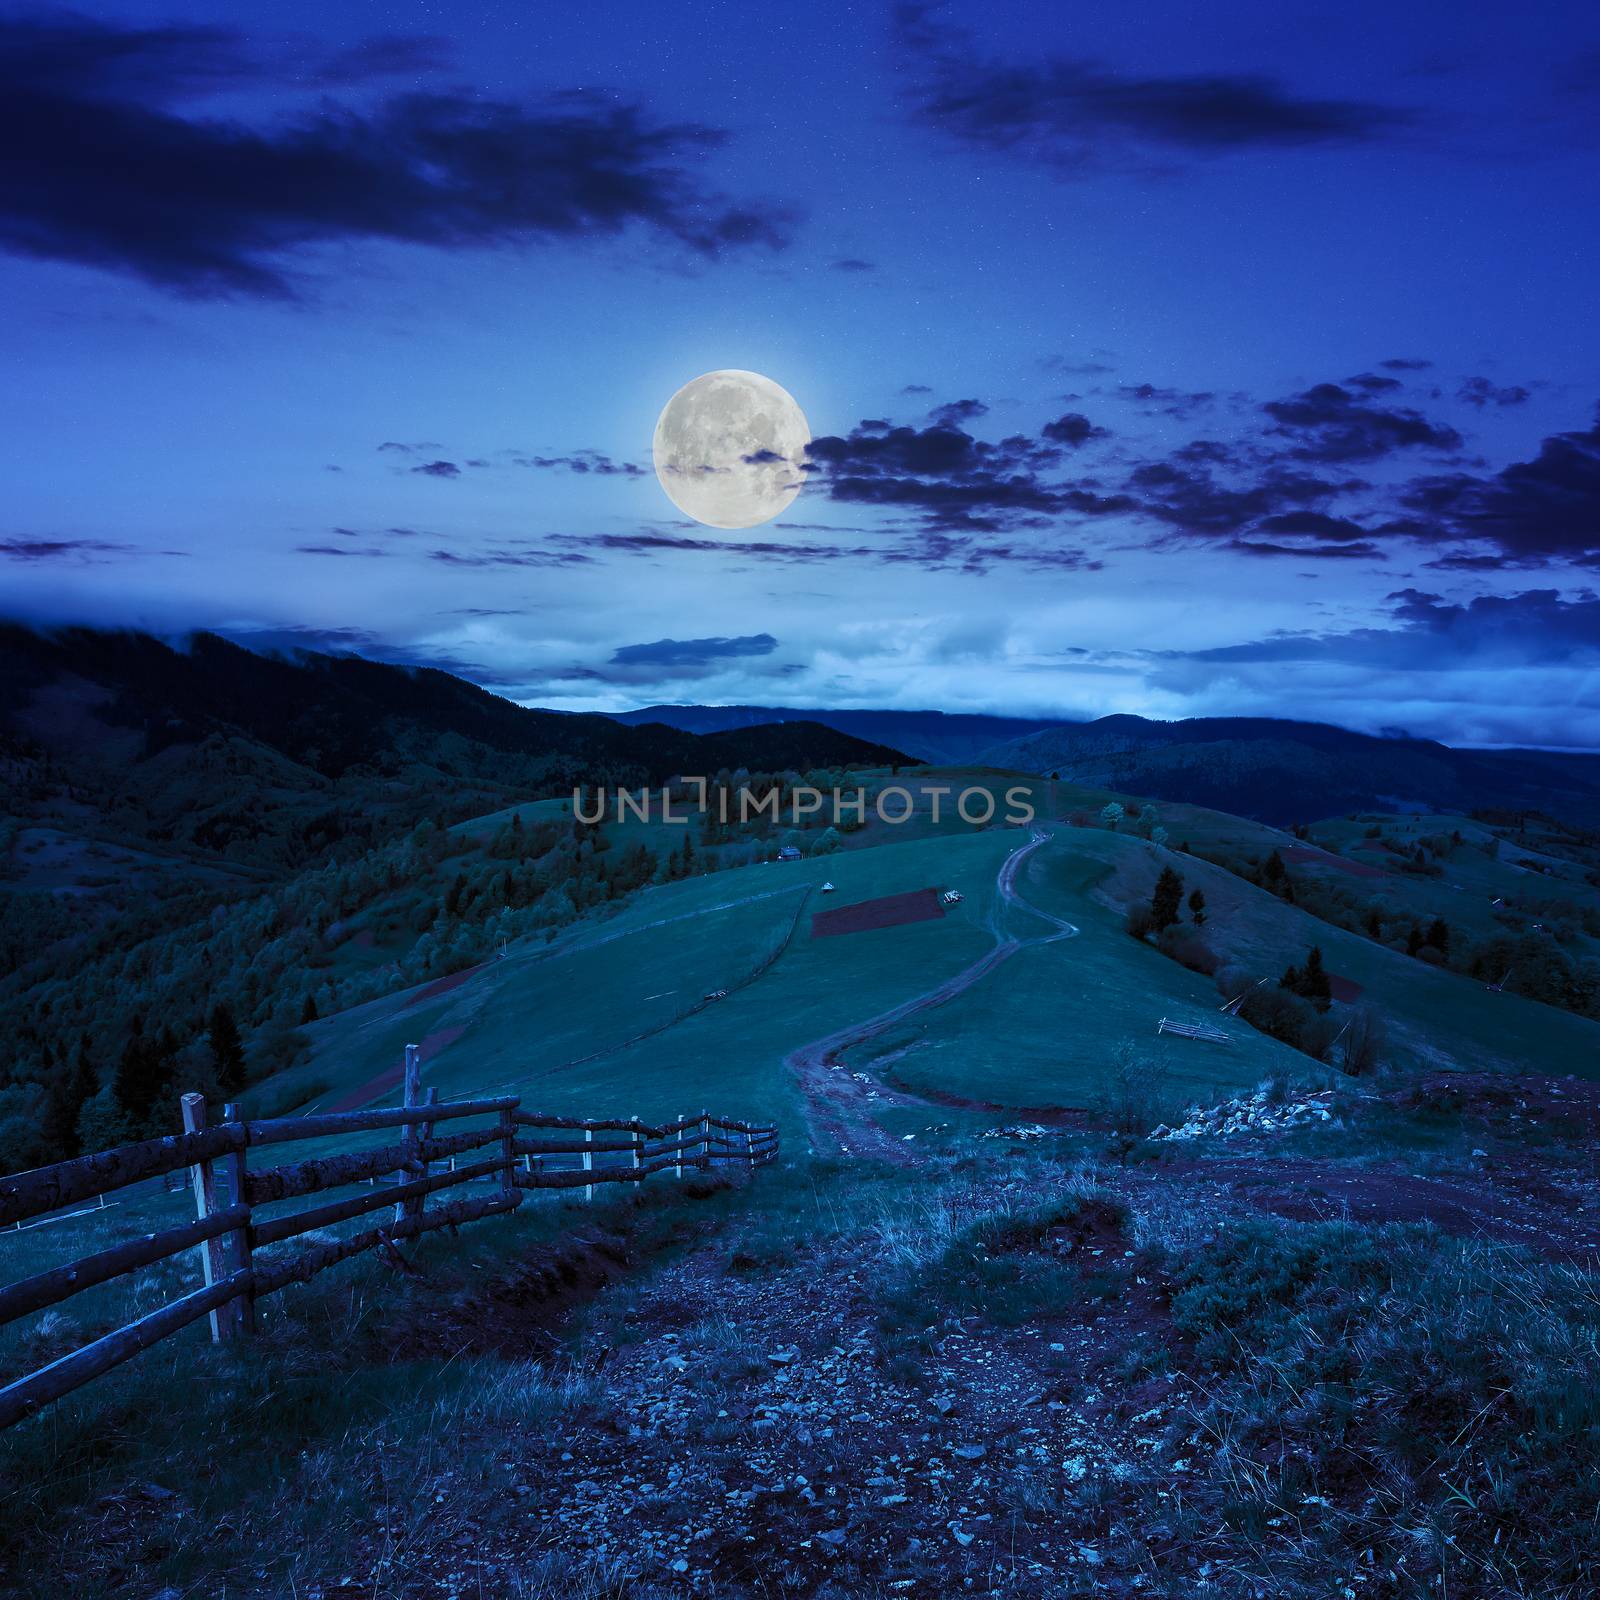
(228, 1191)
(1194, 1030)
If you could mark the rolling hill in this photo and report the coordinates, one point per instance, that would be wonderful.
(942, 737)
(275, 760)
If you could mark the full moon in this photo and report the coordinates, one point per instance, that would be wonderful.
(729, 448)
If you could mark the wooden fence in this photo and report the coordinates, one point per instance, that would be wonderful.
(227, 1191)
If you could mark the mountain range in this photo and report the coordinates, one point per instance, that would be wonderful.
(1272, 769)
(269, 759)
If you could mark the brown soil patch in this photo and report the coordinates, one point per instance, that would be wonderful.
(439, 986)
(890, 911)
(1300, 855)
(515, 1315)
(393, 1077)
(1345, 989)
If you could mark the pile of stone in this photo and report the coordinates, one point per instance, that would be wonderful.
(1259, 1113)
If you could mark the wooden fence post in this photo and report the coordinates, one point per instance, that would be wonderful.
(749, 1151)
(213, 1253)
(638, 1146)
(413, 1096)
(677, 1155)
(232, 1190)
(588, 1162)
(508, 1152)
(705, 1141)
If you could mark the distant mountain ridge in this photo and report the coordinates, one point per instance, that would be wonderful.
(946, 738)
(1277, 770)
(1281, 771)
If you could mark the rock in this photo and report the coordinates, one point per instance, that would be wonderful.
(833, 1536)
(970, 1452)
(961, 1536)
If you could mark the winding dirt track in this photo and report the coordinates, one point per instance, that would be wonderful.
(839, 1112)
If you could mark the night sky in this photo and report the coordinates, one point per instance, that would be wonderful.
(1173, 359)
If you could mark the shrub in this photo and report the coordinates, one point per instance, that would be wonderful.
(1277, 1012)
(1189, 949)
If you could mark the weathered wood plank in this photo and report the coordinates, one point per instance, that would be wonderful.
(60, 1283)
(276, 1228)
(326, 1172)
(277, 1130)
(69, 1372)
(29, 1194)
(304, 1267)
(453, 1144)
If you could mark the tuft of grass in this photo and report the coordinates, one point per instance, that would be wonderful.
(1008, 1265)
(1435, 1399)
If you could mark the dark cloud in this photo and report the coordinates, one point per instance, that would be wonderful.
(438, 469)
(951, 479)
(1072, 429)
(854, 264)
(530, 557)
(1080, 116)
(1329, 423)
(100, 163)
(582, 462)
(74, 551)
(1480, 392)
(1189, 497)
(367, 552)
(1314, 550)
(917, 388)
(1535, 628)
(932, 550)
(1168, 402)
(1374, 383)
(692, 652)
(1549, 506)
(1404, 364)
(953, 412)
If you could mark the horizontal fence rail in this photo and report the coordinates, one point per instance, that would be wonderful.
(575, 1153)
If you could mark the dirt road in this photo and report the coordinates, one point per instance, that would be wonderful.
(840, 1104)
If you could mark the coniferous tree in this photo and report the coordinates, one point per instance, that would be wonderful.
(1197, 908)
(71, 1086)
(227, 1049)
(308, 1012)
(1166, 899)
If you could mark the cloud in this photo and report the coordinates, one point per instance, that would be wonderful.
(103, 164)
(1072, 430)
(854, 264)
(582, 462)
(530, 557)
(951, 413)
(1405, 364)
(1329, 423)
(1079, 116)
(1480, 392)
(1181, 403)
(1530, 510)
(950, 478)
(692, 652)
(438, 469)
(1537, 627)
(70, 551)
(1190, 499)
